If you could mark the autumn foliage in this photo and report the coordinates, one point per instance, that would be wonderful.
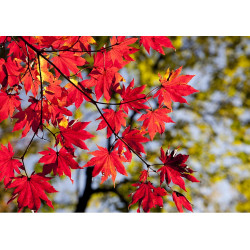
(39, 67)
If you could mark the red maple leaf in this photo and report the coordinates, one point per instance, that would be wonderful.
(108, 163)
(114, 118)
(155, 120)
(175, 168)
(28, 118)
(76, 96)
(75, 43)
(120, 49)
(68, 61)
(60, 162)
(180, 200)
(75, 134)
(148, 196)
(173, 87)
(170, 174)
(84, 43)
(30, 190)
(54, 105)
(7, 164)
(133, 138)
(104, 80)
(18, 49)
(54, 110)
(175, 160)
(8, 104)
(156, 43)
(12, 69)
(31, 82)
(104, 76)
(62, 42)
(132, 98)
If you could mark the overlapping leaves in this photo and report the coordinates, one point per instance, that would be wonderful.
(38, 67)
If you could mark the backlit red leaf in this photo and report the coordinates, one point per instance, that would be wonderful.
(60, 162)
(8, 104)
(132, 98)
(133, 138)
(147, 196)
(175, 168)
(68, 61)
(7, 164)
(155, 121)
(30, 191)
(181, 201)
(75, 134)
(116, 119)
(156, 42)
(174, 87)
(107, 163)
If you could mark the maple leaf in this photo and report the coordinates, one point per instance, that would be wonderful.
(54, 105)
(174, 159)
(30, 190)
(68, 42)
(45, 41)
(16, 49)
(156, 43)
(31, 82)
(132, 98)
(8, 104)
(175, 168)
(133, 138)
(76, 96)
(68, 61)
(28, 118)
(60, 162)
(7, 164)
(12, 70)
(173, 87)
(104, 76)
(84, 43)
(104, 80)
(180, 200)
(63, 42)
(74, 133)
(155, 121)
(114, 118)
(120, 49)
(170, 174)
(107, 163)
(147, 196)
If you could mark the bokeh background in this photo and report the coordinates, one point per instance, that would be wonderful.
(214, 129)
